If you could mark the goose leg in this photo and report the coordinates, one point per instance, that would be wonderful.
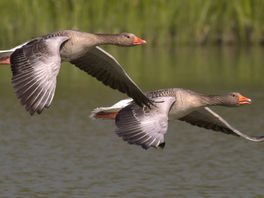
(106, 115)
(5, 60)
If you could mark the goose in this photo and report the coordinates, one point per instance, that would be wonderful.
(36, 63)
(146, 127)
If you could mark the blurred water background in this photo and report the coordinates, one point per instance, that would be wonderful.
(208, 46)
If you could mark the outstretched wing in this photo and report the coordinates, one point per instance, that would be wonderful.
(106, 69)
(207, 118)
(35, 67)
(143, 126)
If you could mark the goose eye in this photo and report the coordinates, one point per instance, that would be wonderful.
(233, 95)
(127, 36)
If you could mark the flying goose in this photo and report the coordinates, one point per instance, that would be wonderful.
(36, 63)
(147, 127)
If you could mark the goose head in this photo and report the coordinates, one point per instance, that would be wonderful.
(129, 39)
(235, 99)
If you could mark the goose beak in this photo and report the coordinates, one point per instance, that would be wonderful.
(243, 100)
(138, 41)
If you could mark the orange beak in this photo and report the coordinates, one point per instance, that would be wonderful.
(138, 41)
(243, 100)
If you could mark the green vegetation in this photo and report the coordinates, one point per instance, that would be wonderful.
(161, 22)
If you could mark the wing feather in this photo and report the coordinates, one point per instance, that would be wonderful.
(143, 126)
(35, 66)
(106, 69)
(208, 119)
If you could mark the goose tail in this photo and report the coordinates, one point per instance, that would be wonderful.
(109, 112)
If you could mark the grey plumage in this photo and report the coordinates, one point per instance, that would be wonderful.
(147, 127)
(144, 126)
(204, 119)
(35, 65)
(34, 78)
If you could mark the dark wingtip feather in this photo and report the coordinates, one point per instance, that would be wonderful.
(145, 147)
(162, 145)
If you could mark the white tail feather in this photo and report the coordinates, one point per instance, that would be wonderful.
(6, 53)
(114, 108)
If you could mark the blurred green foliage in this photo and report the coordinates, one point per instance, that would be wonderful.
(161, 22)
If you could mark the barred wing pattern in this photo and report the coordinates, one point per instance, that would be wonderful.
(143, 126)
(35, 67)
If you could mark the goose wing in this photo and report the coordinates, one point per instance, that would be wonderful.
(143, 126)
(35, 67)
(105, 68)
(208, 119)
(5, 54)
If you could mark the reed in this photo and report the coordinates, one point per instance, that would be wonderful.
(162, 22)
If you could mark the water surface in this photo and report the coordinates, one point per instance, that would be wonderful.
(62, 153)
